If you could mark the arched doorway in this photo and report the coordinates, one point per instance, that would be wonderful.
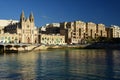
(20, 40)
(28, 40)
(35, 40)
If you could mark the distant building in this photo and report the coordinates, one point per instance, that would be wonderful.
(73, 31)
(109, 32)
(1, 29)
(7, 22)
(53, 39)
(78, 31)
(91, 30)
(101, 31)
(9, 38)
(4, 23)
(115, 31)
(25, 30)
(42, 30)
(53, 28)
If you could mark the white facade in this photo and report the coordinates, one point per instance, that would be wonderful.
(7, 22)
(51, 39)
(43, 28)
(23, 31)
(53, 25)
(115, 31)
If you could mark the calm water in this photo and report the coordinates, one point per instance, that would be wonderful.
(61, 65)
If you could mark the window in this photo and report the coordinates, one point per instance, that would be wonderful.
(79, 32)
(101, 33)
(42, 38)
(27, 26)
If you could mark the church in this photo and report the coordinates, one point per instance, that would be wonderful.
(23, 31)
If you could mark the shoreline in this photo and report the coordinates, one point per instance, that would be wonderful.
(48, 47)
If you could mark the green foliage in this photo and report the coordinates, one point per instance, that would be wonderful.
(90, 40)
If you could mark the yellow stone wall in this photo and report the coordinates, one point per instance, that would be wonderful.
(101, 30)
(9, 38)
(51, 39)
(90, 29)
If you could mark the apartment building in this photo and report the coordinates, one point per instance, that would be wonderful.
(51, 39)
(115, 31)
(74, 31)
(101, 30)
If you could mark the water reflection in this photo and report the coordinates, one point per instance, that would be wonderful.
(84, 64)
(18, 66)
(61, 65)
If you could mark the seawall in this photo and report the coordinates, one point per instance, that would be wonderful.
(45, 47)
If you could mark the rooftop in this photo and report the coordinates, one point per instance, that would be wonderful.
(7, 22)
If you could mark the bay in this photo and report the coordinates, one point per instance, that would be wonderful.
(60, 64)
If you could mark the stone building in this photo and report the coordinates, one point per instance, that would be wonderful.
(1, 29)
(114, 31)
(4, 23)
(73, 31)
(91, 30)
(9, 38)
(25, 29)
(78, 31)
(101, 30)
(42, 30)
(53, 28)
(80, 28)
(109, 32)
(51, 39)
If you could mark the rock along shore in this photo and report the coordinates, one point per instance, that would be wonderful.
(80, 46)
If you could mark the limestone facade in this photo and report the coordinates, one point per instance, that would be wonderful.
(53, 28)
(91, 30)
(28, 33)
(115, 30)
(1, 29)
(77, 31)
(73, 31)
(51, 39)
(24, 29)
(9, 38)
(101, 30)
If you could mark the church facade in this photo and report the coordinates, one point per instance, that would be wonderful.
(23, 31)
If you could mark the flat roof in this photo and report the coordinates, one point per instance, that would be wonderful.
(7, 22)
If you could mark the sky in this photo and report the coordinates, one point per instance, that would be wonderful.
(55, 11)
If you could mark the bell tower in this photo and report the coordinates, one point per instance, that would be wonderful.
(22, 17)
(31, 17)
(28, 29)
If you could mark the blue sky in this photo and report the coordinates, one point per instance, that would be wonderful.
(51, 11)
